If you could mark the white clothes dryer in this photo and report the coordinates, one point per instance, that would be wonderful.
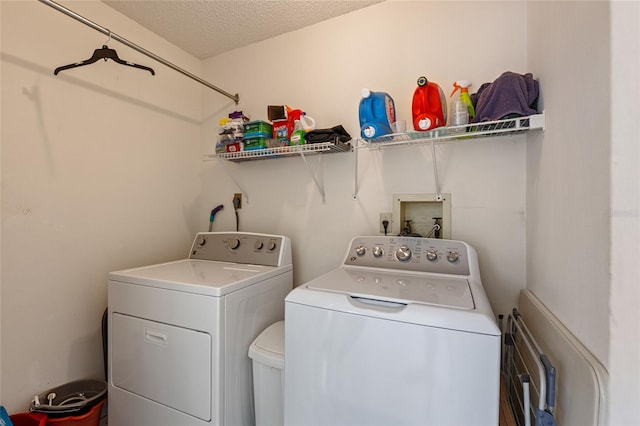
(401, 333)
(179, 332)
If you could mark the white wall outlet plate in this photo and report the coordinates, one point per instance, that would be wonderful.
(387, 217)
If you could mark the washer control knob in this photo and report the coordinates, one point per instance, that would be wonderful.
(361, 250)
(258, 245)
(432, 255)
(271, 246)
(452, 256)
(378, 251)
(201, 241)
(233, 244)
(403, 254)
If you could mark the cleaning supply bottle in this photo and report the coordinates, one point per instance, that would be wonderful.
(297, 136)
(377, 112)
(429, 106)
(463, 85)
(293, 115)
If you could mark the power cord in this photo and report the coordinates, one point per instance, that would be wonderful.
(237, 202)
(385, 225)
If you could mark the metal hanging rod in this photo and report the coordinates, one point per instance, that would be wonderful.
(105, 31)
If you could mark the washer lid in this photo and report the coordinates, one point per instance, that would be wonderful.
(424, 289)
(198, 276)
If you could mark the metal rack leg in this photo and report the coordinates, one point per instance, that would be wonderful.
(318, 185)
(355, 172)
(435, 171)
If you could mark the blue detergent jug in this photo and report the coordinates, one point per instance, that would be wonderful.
(377, 113)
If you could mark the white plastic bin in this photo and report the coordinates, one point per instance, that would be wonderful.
(267, 353)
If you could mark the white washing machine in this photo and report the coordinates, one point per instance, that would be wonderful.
(401, 333)
(179, 332)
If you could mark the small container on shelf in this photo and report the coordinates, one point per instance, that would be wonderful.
(234, 147)
(280, 130)
(257, 128)
(252, 143)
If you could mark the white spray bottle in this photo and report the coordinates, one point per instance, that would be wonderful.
(464, 85)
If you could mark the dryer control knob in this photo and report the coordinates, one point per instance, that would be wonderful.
(432, 255)
(361, 250)
(403, 254)
(452, 256)
(258, 245)
(272, 246)
(202, 241)
(378, 251)
(233, 244)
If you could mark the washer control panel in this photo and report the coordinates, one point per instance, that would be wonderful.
(238, 247)
(411, 254)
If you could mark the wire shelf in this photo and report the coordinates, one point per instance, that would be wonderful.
(446, 134)
(281, 151)
(467, 131)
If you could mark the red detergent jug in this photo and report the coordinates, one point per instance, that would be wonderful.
(429, 106)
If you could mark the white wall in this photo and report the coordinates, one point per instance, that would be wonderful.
(568, 170)
(583, 183)
(321, 69)
(84, 201)
(624, 355)
(100, 171)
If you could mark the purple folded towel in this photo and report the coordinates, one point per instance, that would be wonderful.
(510, 94)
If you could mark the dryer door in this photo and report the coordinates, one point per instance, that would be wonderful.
(159, 361)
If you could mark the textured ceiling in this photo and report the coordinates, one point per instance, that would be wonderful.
(206, 28)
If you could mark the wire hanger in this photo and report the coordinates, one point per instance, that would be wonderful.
(103, 53)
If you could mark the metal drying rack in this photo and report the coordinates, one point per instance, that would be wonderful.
(529, 375)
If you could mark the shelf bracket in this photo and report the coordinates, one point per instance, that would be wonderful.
(225, 166)
(355, 168)
(436, 176)
(441, 134)
(435, 171)
(313, 175)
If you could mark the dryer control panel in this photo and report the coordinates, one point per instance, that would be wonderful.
(242, 247)
(410, 254)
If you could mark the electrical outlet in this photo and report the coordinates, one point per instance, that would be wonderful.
(237, 196)
(383, 217)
